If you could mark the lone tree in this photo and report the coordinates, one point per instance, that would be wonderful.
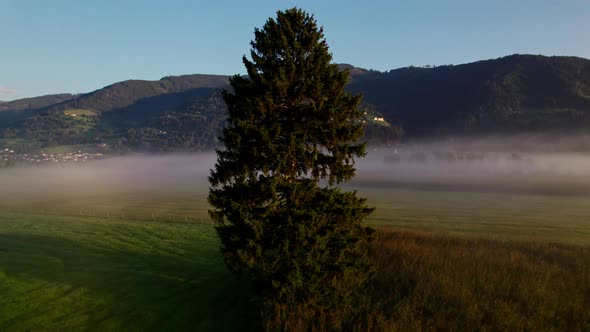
(290, 138)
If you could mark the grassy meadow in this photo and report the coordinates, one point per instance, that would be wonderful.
(95, 249)
(431, 282)
(87, 273)
(561, 219)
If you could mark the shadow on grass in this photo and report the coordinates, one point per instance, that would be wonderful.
(136, 290)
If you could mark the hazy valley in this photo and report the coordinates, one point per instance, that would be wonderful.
(481, 190)
(506, 96)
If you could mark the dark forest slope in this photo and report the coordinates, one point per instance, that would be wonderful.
(514, 93)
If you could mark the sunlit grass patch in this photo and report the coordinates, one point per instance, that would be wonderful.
(78, 112)
(76, 273)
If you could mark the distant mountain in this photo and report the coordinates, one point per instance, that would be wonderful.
(146, 98)
(35, 102)
(513, 94)
(356, 72)
(140, 94)
(510, 94)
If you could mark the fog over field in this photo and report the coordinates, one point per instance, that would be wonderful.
(492, 164)
(518, 165)
(178, 172)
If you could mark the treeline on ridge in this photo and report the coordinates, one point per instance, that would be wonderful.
(194, 126)
(513, 94)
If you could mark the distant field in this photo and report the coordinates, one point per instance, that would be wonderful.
(26, 144)
(17, 143)
(13, 141)
(67, 148)
(563, 219)
(76, 112)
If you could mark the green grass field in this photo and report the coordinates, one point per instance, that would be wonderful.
(18, 144)
(142, 259)
(563, 219)
(76, 273)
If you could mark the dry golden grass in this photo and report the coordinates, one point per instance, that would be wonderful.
(427, 282)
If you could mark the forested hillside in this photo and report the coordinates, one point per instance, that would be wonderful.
(513, 94)
(168, 92)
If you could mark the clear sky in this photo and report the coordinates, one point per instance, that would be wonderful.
(53, 46)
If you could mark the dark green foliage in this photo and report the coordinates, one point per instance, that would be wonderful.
(378, 131)
(192, 127)
(381, 134)
(512, 94)
(52, 128)
(291, 126)
(130, 115)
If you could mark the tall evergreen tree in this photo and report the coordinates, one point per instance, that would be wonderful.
(290, 138)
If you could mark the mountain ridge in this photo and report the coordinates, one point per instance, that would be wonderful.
(515, 91)
(35, 102)
(125, 93)
(512, 94)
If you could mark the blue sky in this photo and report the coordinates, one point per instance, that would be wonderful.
(82, 45)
